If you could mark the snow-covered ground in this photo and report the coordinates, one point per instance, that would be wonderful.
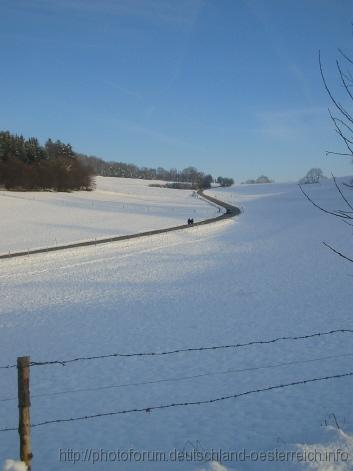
(262, 275)
(118, 206)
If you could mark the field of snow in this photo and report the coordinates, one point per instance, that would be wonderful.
(118, 206)
(259, 276)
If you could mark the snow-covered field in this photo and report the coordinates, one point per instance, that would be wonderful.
(119, 206)
(260, 276)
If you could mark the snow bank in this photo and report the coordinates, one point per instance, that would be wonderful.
(12, 465)
(339, 452)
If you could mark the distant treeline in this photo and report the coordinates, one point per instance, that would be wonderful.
(192, 175)
(262, 179)
(26, 165)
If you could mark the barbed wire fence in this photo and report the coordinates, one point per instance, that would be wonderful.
(24, 364)
(64, 362)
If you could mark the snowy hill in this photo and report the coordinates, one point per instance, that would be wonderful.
(119, 206)
(260, 276)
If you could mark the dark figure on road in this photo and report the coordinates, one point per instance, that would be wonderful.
(190, 222)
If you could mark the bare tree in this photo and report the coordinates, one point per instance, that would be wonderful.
(314, 175)
(342, 120)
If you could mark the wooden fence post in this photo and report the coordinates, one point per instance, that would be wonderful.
(24, 404)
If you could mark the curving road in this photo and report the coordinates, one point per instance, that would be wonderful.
(231, 211)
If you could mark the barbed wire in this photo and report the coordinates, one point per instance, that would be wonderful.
(182, 404)
(182, 350)
(180, 378)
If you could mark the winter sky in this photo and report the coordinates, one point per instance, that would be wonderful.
(230, 86)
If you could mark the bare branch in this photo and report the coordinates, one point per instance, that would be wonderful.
(340, 133)
(337, 252)
(344, 212)
(333, 213)
(338, 122)
(342, 122)
(345, 138)
(337, 105)
(328, 152)
(345, 56)
(340, 192)
(348, 224)
(349, 78)
(343, 80)
(347, 184)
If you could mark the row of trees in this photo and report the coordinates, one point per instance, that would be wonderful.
(26, 165)
(261, 179)
(222, 181)
(192, 175)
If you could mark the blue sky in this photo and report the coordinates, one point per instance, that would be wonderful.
(229, 86)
